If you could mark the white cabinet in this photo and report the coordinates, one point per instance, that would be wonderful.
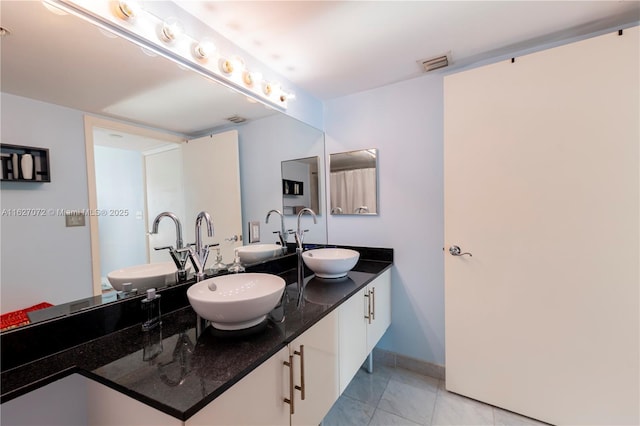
(309, 364)
(60, 403)
(108, 407)
(311, 372)
(353, 336)
(257, 399)
(379, 292)
(363, 319)
(315, 371)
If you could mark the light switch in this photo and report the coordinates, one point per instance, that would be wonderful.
(254, 232)
(73, 219)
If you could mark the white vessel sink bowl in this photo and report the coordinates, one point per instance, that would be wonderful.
(254, 253)
(144, 276)
(236, 301)
(330, 262)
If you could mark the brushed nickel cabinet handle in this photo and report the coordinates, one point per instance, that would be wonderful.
(290, 399)
(368, 316)
(373, 303)
(301, 388)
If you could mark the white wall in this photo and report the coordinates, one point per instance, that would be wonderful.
(39, 254)
(264, 144)
(405, 122)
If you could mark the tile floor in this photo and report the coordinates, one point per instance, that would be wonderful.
(394, 396)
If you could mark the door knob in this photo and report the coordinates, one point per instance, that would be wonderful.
(455, 251)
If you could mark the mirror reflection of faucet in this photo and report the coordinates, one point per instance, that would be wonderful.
(282, 233)
(179, 257)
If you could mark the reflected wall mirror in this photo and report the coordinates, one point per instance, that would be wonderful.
(300, 185)
(85, 77)
(353, 182)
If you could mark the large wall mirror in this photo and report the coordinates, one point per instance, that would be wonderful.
(74, 69)
(354, 182)
(300, 185)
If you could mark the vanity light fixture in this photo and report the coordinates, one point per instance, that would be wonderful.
(204, 49)
(168, 38)
(171, 30)
(226, 66)
(128, 9)
(267, 88)
(247, 77)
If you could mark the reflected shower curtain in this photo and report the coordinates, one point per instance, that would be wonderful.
(353, 190)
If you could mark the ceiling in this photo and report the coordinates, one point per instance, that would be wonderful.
(335, 48)
(327, 48)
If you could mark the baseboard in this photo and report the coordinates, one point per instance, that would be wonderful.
(392, 359)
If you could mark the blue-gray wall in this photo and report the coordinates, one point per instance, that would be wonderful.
(37, 248)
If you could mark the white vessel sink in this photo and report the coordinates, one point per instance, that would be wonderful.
(258, 252)
(144, 276)
(236, 301)
(330, 262)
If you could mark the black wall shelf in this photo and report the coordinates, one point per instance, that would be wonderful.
(12, 170)
(292, 187)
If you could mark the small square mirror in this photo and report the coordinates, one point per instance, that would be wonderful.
(354, 182)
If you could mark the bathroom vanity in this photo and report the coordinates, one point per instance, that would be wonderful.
(284, 371)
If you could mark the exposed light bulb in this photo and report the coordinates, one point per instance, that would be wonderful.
(226, 66)
(284, 96)
(267, 88)
(247, 77)
(128, 9)
(171, 30)
(204, 49)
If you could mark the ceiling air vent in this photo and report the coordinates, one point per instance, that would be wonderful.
(432, 64)
(236, 119)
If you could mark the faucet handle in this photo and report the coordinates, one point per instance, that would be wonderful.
(163, 248)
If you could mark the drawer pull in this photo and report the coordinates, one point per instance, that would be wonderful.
(368, 316)
(290, 399)
(301, 388)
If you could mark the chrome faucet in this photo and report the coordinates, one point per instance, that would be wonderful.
(177, 254)
(299, 235)
(199, 253)
(282, 234)
(361, 210)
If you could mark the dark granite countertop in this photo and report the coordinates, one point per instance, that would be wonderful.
(152, 366)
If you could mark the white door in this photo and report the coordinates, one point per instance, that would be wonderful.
(542, 188)
(212, 183)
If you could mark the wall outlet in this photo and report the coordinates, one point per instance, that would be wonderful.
(254, 232)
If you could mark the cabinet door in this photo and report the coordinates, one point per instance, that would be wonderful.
(380, 294)
(353, 336)
(319, 356)
(257, 399)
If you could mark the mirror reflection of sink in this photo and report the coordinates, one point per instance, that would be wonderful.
(236, 301)
(144, 276)
(330, 262)
(254, 253)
